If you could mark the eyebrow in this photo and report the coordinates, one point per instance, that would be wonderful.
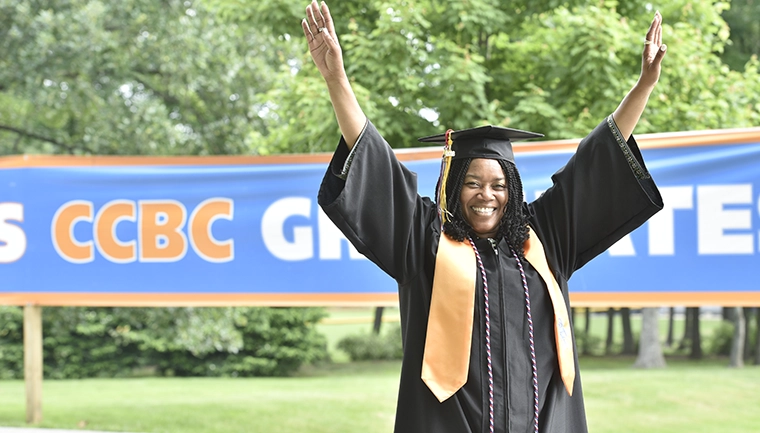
(479, 178)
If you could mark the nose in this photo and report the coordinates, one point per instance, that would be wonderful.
(487, 192)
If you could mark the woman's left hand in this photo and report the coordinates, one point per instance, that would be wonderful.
(654, 51)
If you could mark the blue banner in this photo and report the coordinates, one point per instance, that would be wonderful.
(255, 229)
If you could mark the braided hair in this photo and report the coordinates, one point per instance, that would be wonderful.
(514, 223)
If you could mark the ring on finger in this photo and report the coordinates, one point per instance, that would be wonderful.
(648, 42)
(322, 29)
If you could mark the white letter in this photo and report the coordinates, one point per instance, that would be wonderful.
(11, 235)
(662, 226)
(713, 219)
(272, 223)
(330, 239)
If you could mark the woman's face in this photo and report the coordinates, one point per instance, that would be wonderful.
(484, 196)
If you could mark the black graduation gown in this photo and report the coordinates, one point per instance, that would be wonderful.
(602, 193)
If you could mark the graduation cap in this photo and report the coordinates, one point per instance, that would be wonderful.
(491, 142)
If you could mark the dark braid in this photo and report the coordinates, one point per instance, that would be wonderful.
(514, 224)
(456, 227)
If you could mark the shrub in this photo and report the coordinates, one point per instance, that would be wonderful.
(721, 339)
(373, 347)
(588, 344)
(83, 342)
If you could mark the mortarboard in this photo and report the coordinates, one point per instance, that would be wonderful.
(489, 141)
(492, 142)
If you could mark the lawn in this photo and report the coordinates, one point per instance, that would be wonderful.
(687, 396)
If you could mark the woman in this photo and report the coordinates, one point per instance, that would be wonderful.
(485, 266)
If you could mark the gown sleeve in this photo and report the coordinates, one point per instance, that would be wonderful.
(375, 204)
(603, 193)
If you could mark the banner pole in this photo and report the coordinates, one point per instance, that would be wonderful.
(33, 362)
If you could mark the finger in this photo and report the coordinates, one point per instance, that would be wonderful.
(307, 31)
(319, 15)
(659, 33)
(660, 54)
(329, 21)
(316, 16)
(652, 29)
(311, 19)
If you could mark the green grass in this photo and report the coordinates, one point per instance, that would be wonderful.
(360, 397)
(703, 397)
(357, 398)
(687, 396)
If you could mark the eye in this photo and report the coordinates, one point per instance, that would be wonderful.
(499, 187)
(472, 184)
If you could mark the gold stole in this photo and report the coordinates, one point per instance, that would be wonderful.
(449, 334)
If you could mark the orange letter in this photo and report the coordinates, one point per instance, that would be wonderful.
(106, 220)
(62, 231)
(160, 230)
(201, 238)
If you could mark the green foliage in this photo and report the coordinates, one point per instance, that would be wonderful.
(11, 343)
(588, 343)
(231, 76)
(720, 341)
(722, 337)
(557, 67)
(743, 20)
(373, 347)
(114, 342)
(131, 77)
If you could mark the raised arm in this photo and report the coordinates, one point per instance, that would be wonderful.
(629, 111)
(319, 29)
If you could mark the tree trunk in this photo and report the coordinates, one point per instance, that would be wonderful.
(737, 343)
(629, 347)
(696, 337)
(757, 336)
(687, 329)
(378, 320)
(587, 328)
(747, 326)
(587, 325)
(610, 331)
(671, 316)
(650, 350)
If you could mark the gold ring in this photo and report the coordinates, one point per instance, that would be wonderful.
(647, 42)
(322, 29)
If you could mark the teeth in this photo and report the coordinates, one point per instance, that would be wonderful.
(484, 210)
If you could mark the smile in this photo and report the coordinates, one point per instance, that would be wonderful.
(483, 210)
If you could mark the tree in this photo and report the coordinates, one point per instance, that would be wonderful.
(650, 348)
(696, 336)
(130, 77)
(757, 336)
(737, 343)
(421, 66)
(671, 316)
(745, 33)
(223, 76)
(629, 347)
(610, 331)
(748, 314)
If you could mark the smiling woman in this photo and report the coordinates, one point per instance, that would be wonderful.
(484, 197)
(482, 275)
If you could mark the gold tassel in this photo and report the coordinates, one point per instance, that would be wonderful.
(447, 155)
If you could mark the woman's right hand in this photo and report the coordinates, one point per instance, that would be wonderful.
(319, 29)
